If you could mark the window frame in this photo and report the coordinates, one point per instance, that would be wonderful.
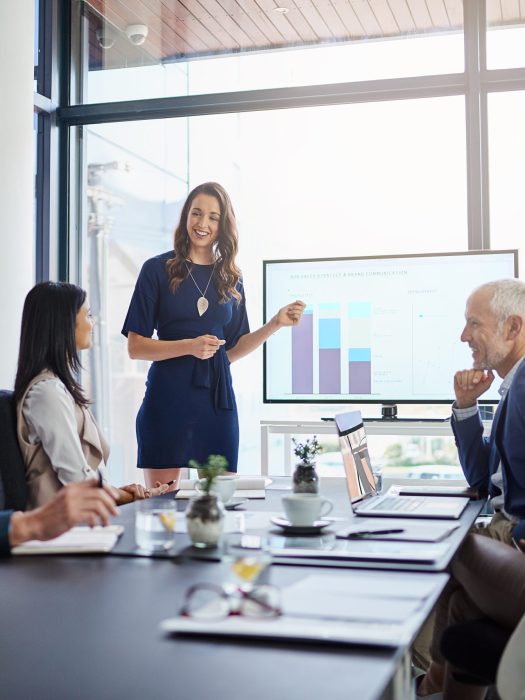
(64, 125)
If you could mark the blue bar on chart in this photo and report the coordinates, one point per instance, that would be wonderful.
(359, 348)
(329, 349)
(303, 354)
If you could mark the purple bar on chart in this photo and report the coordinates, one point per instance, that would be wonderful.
(329, 371)
(359, 377)
(302, 356)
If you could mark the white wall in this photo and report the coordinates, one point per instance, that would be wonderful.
(16, 175)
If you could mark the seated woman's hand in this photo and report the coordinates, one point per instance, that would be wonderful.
(131, 492)
(157, 490)
(138, 492)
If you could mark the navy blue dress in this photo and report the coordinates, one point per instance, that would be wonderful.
(188, 410)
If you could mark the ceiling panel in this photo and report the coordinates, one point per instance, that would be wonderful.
(179, 29)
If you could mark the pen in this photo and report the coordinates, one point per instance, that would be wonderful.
(175, 491)
(366, 533)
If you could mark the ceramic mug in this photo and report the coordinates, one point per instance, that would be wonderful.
(224, 486)
(303, 509)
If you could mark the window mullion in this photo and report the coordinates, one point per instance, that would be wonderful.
(476, 126)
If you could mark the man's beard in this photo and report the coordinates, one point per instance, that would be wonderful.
(492, 360)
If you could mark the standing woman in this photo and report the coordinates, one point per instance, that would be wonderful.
(59, 438)
(193, 296)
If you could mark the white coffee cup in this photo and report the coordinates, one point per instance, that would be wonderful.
(303, 509)
(224, 486)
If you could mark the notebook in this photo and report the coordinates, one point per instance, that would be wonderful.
(433, 490)
(78, 540)
(361, 482)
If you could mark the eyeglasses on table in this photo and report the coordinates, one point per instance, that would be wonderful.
(207, 601)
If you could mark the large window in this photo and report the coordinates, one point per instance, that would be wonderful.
(506, 34)
(342, 128)
(507, 170)
(263, 45)
(316, 181)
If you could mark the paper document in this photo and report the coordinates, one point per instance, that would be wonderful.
(335, 609)
(341, 598)
(433, 490)
(365, 550)
(245, 487)
(77, 541)
(398, 529)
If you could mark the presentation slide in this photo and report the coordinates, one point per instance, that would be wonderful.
(375, 329)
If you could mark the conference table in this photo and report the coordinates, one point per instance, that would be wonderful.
(87, 626)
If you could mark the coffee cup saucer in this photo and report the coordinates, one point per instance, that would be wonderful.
(234, 503)
(314, 529)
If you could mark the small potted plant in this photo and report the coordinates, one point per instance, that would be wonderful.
(205, 512)
(305, 478)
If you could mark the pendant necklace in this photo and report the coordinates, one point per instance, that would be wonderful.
(202, 302)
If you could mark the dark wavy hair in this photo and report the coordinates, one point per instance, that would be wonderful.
(226, 273)
(47, 337)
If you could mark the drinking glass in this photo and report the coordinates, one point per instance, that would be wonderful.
(248, 558)
(155, 524)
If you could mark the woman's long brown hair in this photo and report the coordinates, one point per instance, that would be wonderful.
(226, 273)
(47, 338)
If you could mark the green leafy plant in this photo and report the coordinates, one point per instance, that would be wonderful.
(307, 450)
(214, 466)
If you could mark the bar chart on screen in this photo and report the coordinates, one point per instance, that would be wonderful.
(374, 329)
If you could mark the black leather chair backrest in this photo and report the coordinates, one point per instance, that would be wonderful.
(12, 470)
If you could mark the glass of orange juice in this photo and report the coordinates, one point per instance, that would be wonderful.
(247, 557)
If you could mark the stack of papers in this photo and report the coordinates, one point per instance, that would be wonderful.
(78, 540)
(352, 550)
(245, 487)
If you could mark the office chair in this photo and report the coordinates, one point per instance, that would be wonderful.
(481, 654)
(511, 671)
(12, 469)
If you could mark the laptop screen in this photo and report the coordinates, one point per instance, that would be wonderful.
(360, 478)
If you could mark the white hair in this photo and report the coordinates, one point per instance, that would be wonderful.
(508, 298)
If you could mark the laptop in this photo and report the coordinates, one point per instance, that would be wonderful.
(361, 483)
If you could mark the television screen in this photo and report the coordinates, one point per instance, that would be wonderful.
(375, 329)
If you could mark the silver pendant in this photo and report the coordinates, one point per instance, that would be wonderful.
(202, 305)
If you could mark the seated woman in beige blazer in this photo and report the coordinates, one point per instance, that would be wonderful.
(58, 435)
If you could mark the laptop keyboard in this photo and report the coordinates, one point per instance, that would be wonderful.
(404, 504)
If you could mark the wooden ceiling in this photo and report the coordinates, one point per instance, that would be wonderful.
(181, 29)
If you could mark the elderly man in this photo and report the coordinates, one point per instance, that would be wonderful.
(495, 332)
(494, 465)
(81, 503)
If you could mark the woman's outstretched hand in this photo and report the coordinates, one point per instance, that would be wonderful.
(290, 315)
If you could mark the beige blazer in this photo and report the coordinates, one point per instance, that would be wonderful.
(42, 480)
